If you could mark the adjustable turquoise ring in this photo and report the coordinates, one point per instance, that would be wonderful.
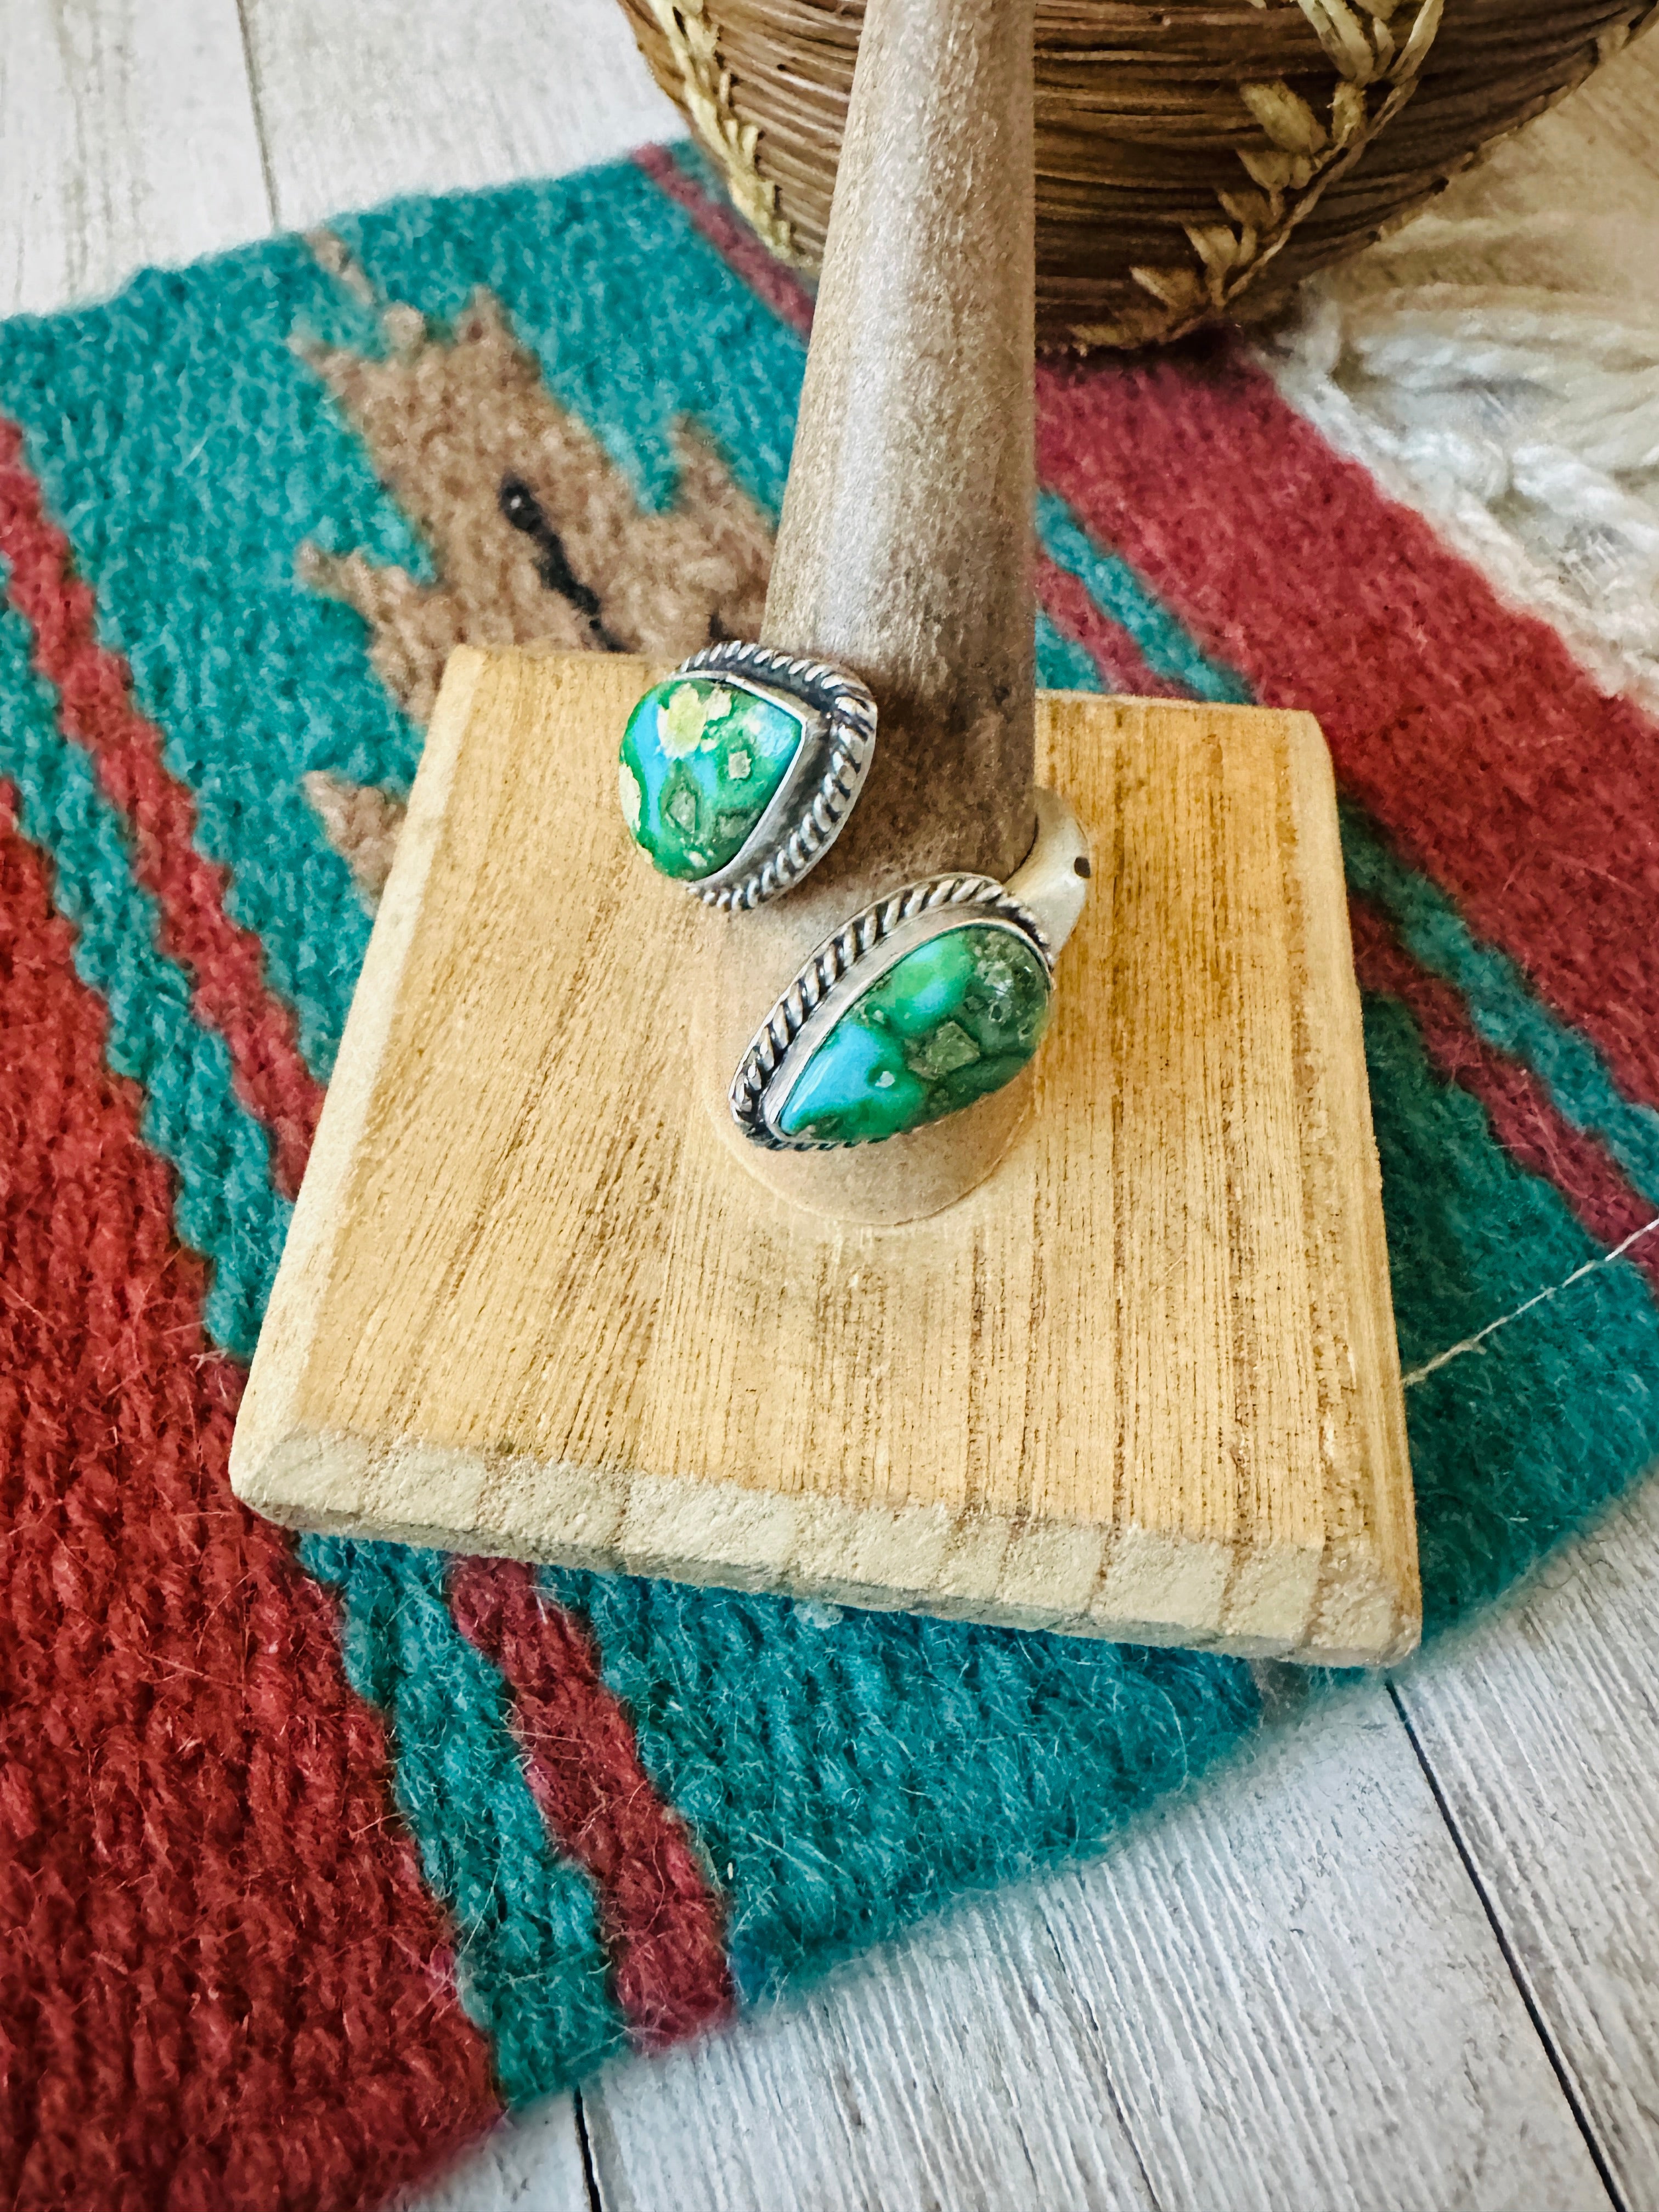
(917, 1006)
(737, 772)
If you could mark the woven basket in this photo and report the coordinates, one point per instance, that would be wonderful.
(1194, 158)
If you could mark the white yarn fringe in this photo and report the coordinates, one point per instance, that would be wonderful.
(1503, 379)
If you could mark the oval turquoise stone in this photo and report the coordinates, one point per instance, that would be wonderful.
(701, 759)
(956, 1018)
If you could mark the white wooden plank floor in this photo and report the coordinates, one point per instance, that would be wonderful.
(1407, 1955)
(127, 135)
(1215, 2017)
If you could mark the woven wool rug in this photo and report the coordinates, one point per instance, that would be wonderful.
(312, 1854)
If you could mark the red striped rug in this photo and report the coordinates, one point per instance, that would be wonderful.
(311, 1856)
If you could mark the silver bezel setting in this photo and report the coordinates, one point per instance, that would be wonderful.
(839, 973)
(804, 814)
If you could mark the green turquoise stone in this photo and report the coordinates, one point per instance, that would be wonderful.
(958, 1017)
(701, 759)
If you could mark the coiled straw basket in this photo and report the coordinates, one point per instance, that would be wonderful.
(1194, 158)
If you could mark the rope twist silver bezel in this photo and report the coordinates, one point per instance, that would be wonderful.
(849, 714)
(836, 959)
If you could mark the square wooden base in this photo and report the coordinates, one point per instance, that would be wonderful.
(1141, 1384)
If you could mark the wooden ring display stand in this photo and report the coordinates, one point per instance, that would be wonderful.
(1111, 1353)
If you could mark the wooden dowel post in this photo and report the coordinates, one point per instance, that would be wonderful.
(904, 550)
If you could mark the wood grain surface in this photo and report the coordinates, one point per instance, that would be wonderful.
(378, 97)
(1541, 1731)
(1515, 1794)
(1141, 1383)
(126, 135)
